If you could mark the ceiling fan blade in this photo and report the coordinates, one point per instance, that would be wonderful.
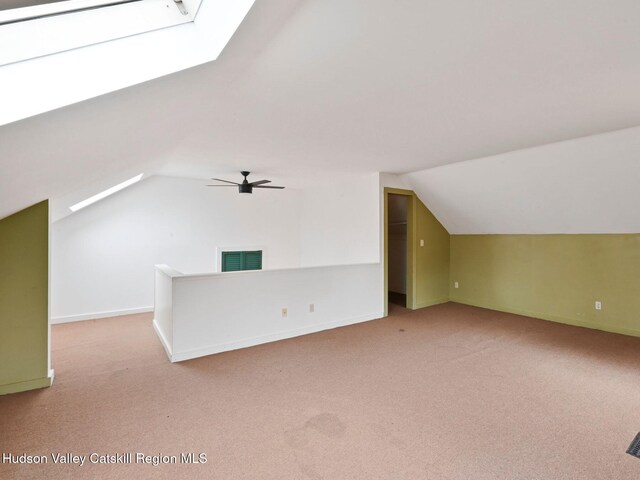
(267, 186)
(225, 181)
(221, 185)
(260, 182)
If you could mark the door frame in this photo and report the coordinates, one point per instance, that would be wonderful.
(411, 246)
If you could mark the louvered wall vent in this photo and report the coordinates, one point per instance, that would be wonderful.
(634, 448)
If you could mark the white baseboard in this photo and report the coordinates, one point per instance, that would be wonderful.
(97, 315)
(163, 340)
(272, 337)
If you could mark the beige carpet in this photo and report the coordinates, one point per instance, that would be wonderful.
(448, 392)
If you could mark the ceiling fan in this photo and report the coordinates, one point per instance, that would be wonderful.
(245, 186)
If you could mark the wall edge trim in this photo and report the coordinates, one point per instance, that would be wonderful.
(273, 337)
(555, 318)
(27, 385)
(163, 340)
(432, 303)
(98, 315)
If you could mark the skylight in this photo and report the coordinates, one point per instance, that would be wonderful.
(24, 10)
(106, 193)
(106, 63)
(11, 4)
(42, 27)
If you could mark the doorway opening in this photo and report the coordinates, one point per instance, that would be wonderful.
(397, 214)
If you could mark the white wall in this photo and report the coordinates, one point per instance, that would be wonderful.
(339, 230)
(340, 222)
(213, 313)
(163, 305)
(586, 185)
(103, 256)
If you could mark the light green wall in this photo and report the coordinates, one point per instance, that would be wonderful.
(554, 277)
(432, 260)
(24, 299)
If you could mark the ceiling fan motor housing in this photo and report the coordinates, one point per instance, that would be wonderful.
(246, 186)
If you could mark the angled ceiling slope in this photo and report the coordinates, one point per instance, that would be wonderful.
(587, 185)
(355, 86)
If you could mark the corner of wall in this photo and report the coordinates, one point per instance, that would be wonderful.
(433, 258)
(24, 310)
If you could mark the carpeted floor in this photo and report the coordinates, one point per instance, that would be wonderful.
(448, 392)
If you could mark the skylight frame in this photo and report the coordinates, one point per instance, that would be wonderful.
(32, 32)
(47, 83)
(60, 7)
(105, 193)
(15, 4)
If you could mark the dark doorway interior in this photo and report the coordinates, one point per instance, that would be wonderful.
(397, 244)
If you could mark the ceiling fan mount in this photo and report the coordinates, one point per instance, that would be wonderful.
(245, 186)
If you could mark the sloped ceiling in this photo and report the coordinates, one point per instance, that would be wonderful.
(307, 89)
(586, 185)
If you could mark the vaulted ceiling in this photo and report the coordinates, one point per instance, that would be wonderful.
(308, 88)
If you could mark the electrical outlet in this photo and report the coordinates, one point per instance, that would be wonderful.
(598, 305)
(456, 285)
(284, 312)
(422, 243)
(312, 308)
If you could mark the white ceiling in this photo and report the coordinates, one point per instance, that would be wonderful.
(586, 185)
(307, 89)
